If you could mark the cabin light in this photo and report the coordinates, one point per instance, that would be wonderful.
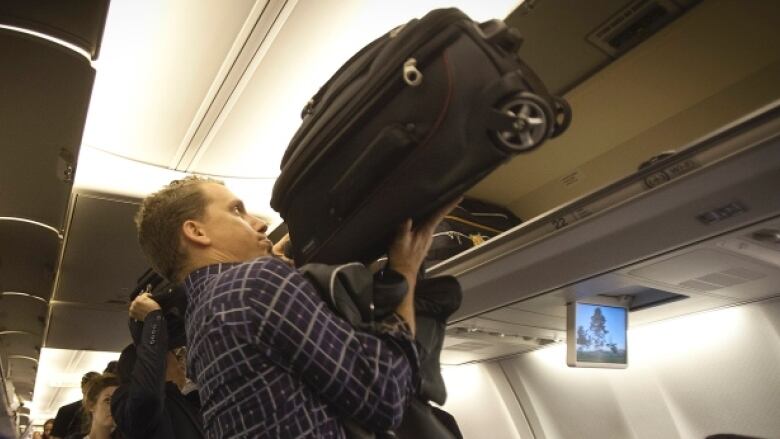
(65, 380)
(54, 40)
(105, 172)
(58, 380)
(34, 223)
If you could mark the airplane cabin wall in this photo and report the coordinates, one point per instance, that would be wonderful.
(481, 400)
(690, 377)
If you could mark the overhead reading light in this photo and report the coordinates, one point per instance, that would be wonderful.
(35, 223)
(102, 171)
(54, 40)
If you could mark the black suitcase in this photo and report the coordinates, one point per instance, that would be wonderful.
(407, 124)
(470, 224)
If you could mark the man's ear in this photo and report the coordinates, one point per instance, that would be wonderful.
(194, 232)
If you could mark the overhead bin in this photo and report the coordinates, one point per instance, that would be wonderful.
(78, 22)
(100, 232)
(720, 183)
(44, 94)
(28, 256)
(697, 231)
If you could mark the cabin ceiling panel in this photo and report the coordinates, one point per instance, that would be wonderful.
(91, 328)
(77, 22)
(716, 272)
(254, 130)
(44, 96)
(160, 64)
(102, 258)
(28, 256)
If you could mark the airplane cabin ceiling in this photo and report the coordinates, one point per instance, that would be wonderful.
(159, 66)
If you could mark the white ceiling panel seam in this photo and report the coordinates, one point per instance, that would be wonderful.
(218, 82)
(251, 54)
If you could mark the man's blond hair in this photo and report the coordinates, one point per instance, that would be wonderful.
(159, 222)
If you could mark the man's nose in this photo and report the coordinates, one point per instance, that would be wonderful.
(259, 225)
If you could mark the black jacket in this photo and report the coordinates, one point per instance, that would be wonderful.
(145, 406)
(68, 420)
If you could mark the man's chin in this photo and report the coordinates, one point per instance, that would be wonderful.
(265, 248)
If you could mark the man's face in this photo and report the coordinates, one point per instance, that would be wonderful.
(236, 235)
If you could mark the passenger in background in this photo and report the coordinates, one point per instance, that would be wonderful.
(112, 367)
(47, 427)
(97, 409)
(149, 403)
(68, 419)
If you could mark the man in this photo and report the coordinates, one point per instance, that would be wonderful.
(149, 403)
(68, 419)
(271, 359)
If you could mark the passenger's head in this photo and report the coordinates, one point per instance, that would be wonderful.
(47, 427)
(111, 367)
(86, 380)
(195, 222)
(97, 401)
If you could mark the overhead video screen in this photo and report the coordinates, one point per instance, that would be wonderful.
(597, 335)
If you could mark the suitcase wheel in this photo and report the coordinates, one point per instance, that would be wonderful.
(562, 116)
(531, 126)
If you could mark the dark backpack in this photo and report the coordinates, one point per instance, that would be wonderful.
(362, 299)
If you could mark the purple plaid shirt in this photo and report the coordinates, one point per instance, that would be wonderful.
(273, 361)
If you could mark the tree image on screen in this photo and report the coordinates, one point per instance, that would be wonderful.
(604, 339)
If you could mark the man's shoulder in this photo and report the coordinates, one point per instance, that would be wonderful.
(262, 274)
(70, 408)
(263, 269)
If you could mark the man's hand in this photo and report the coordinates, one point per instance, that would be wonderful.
(412, 242)
(407, 252)
(278, 249)
(142, 305)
